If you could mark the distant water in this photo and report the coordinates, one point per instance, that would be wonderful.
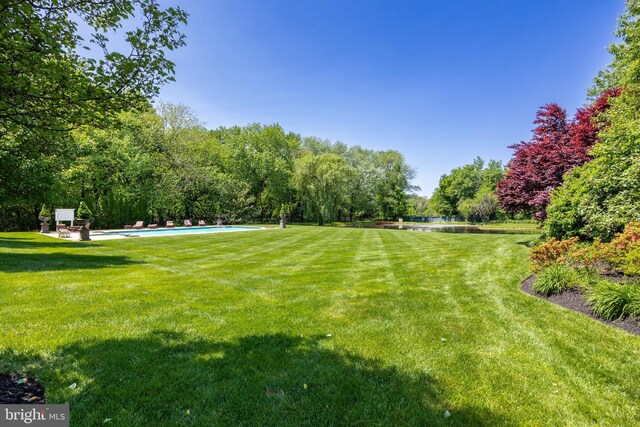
(470, 229)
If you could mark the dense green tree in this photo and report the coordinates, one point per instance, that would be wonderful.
(323, 181)
(393, 183)
(262, 157)
(52, 80)
(321, 146)
(380, 183)
(192, 166)
(362, 202)
(466, 188)
(482, 207)
(114, 171)
(460, 184)
(29, 167)
(418, 206)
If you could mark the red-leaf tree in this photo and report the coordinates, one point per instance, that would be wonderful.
(556, 147)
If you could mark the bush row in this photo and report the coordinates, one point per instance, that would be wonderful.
(563, 264)
(620, 255)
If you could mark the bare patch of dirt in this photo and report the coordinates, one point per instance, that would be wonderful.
(573, 300)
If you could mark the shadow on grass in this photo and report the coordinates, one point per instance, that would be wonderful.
(34, 243)
(35, 262)
(528, 243)
(166, 379)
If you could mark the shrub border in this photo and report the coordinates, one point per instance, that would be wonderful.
(573, 299)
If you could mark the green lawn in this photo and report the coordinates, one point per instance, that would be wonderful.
(306, 325)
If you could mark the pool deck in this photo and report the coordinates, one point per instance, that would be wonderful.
(98, 235)
(95, 235)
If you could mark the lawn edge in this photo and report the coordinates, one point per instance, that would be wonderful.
(571, 299)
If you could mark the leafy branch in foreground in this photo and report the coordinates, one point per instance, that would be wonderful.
(53, 80)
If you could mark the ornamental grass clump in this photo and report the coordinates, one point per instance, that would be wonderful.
(634, 304)
(585, 278)
(554, 279)
(611, 300)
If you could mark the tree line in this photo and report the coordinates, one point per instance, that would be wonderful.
(155, 165)
(76, 124)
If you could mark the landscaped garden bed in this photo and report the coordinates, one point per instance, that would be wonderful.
(573, 299)
(595, 278)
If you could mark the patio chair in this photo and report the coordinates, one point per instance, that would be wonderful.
(139, 225)
(152, 226)
(169, 224)
(187, 223)
(63, 231)
(201, 223)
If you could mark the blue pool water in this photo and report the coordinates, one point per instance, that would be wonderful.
(145, 232)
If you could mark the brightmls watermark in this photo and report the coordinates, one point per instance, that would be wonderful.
(34, 415)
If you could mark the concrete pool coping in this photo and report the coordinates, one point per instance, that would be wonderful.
(98, 235)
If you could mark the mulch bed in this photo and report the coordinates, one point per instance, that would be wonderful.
(573, 300)
(16, 388)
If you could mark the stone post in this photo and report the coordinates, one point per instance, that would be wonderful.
(400, 223)
(84, 231)
(44, 227)
(283, 221)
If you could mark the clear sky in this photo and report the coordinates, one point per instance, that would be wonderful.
(441, 81)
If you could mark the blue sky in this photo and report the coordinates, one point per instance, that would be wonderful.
(440, 81)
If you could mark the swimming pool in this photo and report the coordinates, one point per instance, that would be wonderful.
(157, 232)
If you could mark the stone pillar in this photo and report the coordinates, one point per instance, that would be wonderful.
(44, 228)
(283, 223)
(400, 223)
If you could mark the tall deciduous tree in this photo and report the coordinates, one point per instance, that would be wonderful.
(52, 80)
(393, 184)
(50, 83)
(463, 189)
(323, 181)
(418, 206)
(537, 165)
(556, 147)
(262, 157)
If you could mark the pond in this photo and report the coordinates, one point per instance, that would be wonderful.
(471, 229)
